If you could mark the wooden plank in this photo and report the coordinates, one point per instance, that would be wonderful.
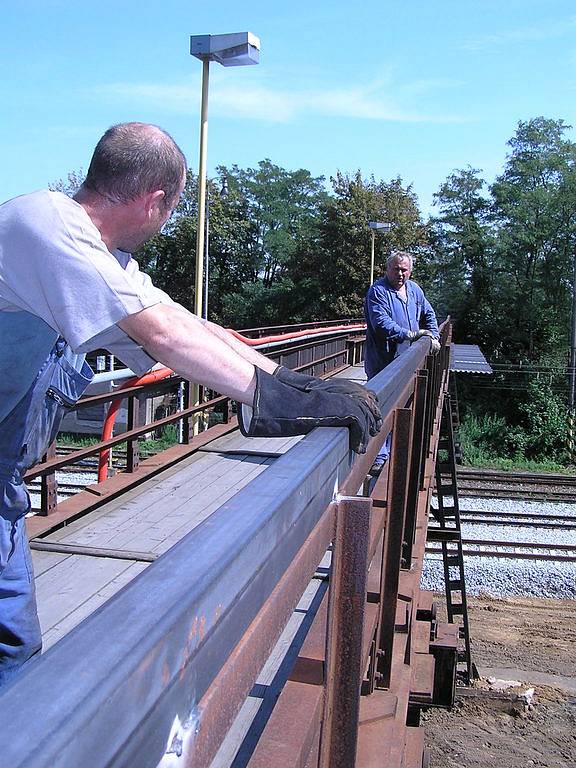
(162, 514)
(292, 729)
(74, 587)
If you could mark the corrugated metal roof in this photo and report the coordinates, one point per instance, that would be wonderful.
(468, 358)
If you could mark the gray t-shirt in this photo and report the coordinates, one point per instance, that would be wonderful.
(54, 264)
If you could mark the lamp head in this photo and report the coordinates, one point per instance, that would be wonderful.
(233, 50)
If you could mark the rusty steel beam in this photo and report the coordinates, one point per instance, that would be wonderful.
(399, 468)
(218, 707)
(416, 465)
(163, 640)
(346, 608)
(164, 665)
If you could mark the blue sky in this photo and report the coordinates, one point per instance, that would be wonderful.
(400, 87)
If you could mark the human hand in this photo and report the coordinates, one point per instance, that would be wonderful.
(415, 335)
(281, 410)
(306, 383)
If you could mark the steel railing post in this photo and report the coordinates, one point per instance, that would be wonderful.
(346, 608)
(392, 549)
(132, 450)
(48, 485)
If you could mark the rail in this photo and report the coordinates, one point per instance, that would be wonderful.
(160, 671)
(327, 349)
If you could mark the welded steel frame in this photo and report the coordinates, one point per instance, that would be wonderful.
(167, 662)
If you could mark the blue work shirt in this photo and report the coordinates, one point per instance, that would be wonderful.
(389, 319)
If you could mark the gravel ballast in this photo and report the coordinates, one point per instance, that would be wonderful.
(503, 577)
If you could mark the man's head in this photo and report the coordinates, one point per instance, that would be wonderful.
(398, 268)
(138, 172)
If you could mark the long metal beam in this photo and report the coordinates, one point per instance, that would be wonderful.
(123, 688)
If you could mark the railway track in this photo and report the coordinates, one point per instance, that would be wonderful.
(515, 550)
(525, 478)
(521, 487)
(525, 486)
(523, 519)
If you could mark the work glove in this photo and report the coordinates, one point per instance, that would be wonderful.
(435, 346)
(415, 335)
(307, 383)
(282, 410)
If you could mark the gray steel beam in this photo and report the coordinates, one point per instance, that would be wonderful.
(124, 685)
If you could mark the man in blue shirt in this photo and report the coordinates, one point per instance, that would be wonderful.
(397, 313)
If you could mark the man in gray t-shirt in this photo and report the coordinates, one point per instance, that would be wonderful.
(68, 285)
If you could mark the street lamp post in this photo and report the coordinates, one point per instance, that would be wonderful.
(233, 50)
(375, 225)
(223, 194)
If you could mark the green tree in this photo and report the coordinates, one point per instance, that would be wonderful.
(70, 185)
(334, 270)
(460, 260)
(534, 205)
(282, 208)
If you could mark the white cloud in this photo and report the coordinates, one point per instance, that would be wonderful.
(254, 99)
(544, 31)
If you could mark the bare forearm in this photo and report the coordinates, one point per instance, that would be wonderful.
(186, 344)
(247, 352)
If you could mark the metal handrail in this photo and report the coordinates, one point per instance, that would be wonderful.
(132, 678)
(292, 348)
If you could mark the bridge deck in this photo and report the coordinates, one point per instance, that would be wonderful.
(144, 522)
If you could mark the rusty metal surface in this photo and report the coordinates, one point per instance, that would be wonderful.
(215, 711)
(163, 640)
(186, 638)
(399, 466)
(346, 609)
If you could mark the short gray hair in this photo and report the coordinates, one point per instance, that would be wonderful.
(398, 256)
(132, 159)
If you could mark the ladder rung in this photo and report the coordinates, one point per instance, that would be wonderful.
(457, 610)
(454, 560)
(443, 534)
(455, 585)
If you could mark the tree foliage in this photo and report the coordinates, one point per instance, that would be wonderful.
(497, 257)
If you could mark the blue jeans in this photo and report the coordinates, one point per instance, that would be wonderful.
(25, 434)
(384, 453)
(20, 636)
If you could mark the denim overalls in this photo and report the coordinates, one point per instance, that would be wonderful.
(26, 431)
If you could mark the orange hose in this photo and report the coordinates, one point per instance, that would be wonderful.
(293, 334)
(162, 373)
(109, 421)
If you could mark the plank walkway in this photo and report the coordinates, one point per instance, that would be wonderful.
(149, 520)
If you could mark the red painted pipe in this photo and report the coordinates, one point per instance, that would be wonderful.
(162, 373)
(108, 426)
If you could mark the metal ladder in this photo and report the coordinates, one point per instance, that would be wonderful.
(453, 392)
(449, 534)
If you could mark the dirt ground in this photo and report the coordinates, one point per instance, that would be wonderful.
(532, 641)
